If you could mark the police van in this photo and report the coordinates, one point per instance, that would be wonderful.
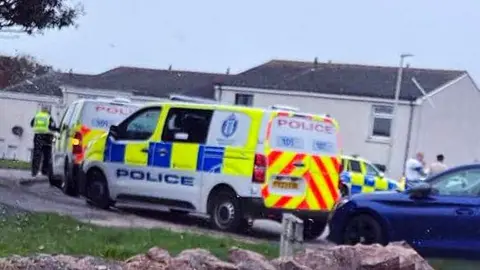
(232, 164)
(83, 121)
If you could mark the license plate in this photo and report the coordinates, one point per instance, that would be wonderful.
(285, 185)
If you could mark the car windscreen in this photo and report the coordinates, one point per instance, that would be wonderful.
(303, 135)
(101, 115)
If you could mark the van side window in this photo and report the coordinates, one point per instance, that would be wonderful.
(355, 166)
(139, 126)
(187, 125)
(67, 116)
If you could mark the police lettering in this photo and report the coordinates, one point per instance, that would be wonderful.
(308, 126)
(171, 179)
(114, 110)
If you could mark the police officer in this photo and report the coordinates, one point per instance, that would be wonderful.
(43, 127)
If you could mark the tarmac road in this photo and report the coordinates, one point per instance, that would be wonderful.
(38, 196)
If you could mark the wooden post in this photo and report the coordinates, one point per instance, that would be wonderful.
(291, 239)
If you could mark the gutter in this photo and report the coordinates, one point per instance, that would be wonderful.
(409, 133)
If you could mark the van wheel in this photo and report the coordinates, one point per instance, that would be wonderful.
(96, 190)
(225, 212)
(67, 185)
(313, 228)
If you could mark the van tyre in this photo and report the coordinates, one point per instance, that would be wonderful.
(313, 228)
(67, 184)
(96, 190)
(226, 213)
(363, 229)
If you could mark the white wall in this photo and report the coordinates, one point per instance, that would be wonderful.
(18, 110)
(452, 126)
(354, 118)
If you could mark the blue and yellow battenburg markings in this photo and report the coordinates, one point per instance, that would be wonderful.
(366, 183)
(211, 159)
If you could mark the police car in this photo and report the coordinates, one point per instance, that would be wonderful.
(83, 121)
(230, 163)
(361, 176)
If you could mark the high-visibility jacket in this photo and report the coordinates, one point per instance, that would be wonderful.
(41, 123)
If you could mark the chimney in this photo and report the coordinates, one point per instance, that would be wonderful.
(228, 71)
(315, 63)
(170, 68)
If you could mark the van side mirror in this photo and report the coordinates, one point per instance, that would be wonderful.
(113, 131)
(420, 191)
(381, 174)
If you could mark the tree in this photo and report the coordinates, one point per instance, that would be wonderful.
(33, 15)
(17, 69)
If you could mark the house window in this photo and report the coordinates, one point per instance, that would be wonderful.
(244, 99)
(382, 116)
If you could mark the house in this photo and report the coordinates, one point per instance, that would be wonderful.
(361, 98)
(19, 103)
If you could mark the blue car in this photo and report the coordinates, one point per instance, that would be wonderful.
(439, 218)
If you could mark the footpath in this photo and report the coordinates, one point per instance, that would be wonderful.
(19, 177)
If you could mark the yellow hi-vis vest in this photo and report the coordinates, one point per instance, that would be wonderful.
(41, 123)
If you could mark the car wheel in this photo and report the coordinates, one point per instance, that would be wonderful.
(313, 228)
(225, 212)
(97, 193)
(67, 185)
(363, 229)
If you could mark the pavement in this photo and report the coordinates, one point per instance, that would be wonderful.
(20, 190)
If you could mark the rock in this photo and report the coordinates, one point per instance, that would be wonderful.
(198, 259)
(288, 264)
(332, 258)
(395, 256)
(159, 255)
(246, 259)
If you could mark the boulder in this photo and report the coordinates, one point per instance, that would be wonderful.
(246, 259)
(395, 256)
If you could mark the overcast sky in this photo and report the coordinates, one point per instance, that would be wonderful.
(211, 35)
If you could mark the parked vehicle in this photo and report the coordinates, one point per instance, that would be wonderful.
(230, 163)
(439, 217)
(361, 176)
(83, 121)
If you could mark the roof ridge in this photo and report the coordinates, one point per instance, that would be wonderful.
(166, 70)
(353, 65)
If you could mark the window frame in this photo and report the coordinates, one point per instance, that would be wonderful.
(172, 110)
(240, 96)
(380, 115)
(351, 167)
(66, 118)
(122, 126)
(375, 169)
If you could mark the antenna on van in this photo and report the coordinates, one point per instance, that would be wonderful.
(182, 98)
(284, 108)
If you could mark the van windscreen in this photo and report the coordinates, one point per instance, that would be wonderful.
(303, 135)
(101, 115)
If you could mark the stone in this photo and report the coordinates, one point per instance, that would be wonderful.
(288, 263)
(198, 259)
(246, 259)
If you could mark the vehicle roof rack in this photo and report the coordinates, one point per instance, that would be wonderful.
(183, 98)
(283, 108)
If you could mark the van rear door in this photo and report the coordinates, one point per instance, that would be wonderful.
(303, 162)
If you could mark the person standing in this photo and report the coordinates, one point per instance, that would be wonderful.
(438, 166)
(415, 170)
(43, 128)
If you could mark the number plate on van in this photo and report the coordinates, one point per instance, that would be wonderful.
(285, 185)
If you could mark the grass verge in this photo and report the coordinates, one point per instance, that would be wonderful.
(14, 164)
(50, 233)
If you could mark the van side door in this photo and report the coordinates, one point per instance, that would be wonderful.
(129, 155)
(184, 136)
(61, 142)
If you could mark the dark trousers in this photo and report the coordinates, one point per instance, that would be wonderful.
(42, 153)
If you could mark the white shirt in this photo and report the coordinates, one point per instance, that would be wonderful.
(437, 167)
(413, 169)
